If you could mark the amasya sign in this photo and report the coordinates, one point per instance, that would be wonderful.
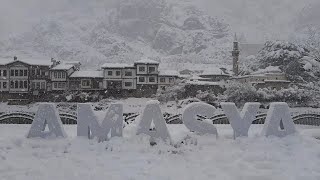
(112, 125)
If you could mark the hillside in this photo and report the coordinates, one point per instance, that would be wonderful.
(173, 31)
(124, 31)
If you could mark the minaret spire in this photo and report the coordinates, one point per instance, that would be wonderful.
(235, 55)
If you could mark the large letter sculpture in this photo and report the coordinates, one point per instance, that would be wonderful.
(189, 118)
(47, 114)
(240, 122)
(152, 113)
(278, 112)
(89, 126)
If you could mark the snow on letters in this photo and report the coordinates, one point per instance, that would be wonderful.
(189, 118)
(240, 122)
(47, 114)
(89, 126)
(278, 112)
(152, 113)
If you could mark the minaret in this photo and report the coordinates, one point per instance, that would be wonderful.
(235, 55)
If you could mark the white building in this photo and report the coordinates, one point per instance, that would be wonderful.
(270, 77)
(59, 75)
(167, 78)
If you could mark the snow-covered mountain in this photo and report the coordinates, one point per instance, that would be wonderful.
(172, 31)
(124, 31)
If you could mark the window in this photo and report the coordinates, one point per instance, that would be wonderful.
(25, 84)
(16, 84)
(11, 84)
(12, 72)
(142, 79)
(16, 72)
(162, 79)
(171, 80)
(37, 85)
(43, 73)
(4, 85)
(63, 75)
(142, 69)
(33, 72)
(25, 72)
(118, 73)
(61, 85)
(59, 75)
(109, 73)
(0, 85)
(21, 72)
(33, 85)
(43, 85)
(128, 73)
(55, 85)
(152, 79)
(0, 73)
(21, 84)
(38, 72)
(4, 73)
(152, 69)
(127, 84)
(86, 83)
(55, 75)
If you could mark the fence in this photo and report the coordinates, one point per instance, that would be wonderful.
(312, 119)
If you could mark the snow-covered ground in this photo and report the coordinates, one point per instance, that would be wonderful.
(131, 157)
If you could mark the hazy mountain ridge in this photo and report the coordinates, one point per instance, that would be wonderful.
(126, 30)
(123, 32)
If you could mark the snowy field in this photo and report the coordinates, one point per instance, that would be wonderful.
(131, 157)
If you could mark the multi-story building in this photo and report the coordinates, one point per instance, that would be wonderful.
(86, 81)
(140, 79)
(4, 76)
(167, 78)
(116, 74)
(147, 76)
(60, 74)
(24, 75)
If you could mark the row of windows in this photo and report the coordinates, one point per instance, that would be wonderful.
(19, 84)
(151, 69)
(163, 80)
(59, 75)
(22, 72)
(143, 79)
(60, 85)
(86, 83)
(118, 73)
(38, 72)
(19, 73)
(38, 85)
(3, 73)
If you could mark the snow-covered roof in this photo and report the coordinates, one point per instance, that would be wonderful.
(209, 83)
(72, 62)
(268, 70)
(279, 81)
(117, 65)
(196, 77)
(30, 61)
(87, 74)
(146, 61)
(63, 66)
(168, 73)
(214, 71)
